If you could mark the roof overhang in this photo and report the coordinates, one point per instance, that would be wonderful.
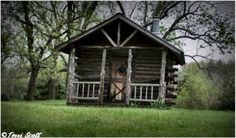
(160, 41)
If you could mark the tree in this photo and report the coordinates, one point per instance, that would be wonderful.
(43, 24)
(30, 30)
(194, 20)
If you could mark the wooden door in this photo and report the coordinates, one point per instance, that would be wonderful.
(118, 79)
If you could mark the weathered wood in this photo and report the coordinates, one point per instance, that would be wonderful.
(102, 77)
(171, 87)
(83, 90)
(162, 78)
(88, 90)
(128, 38)
(144, 84)
(70, 75)
(85, 98)
(86, 82)
(93, 90)
(172, 69)
(77, 91)
(118, 35)
(135, 89)
(128, 81)
(109, 38)
(140, 96)
(146, 77)
(152, 92)
(142, 100)
(146, 92)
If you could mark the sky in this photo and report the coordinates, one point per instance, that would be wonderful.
(191, 46)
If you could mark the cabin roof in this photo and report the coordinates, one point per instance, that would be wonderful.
(63, 47)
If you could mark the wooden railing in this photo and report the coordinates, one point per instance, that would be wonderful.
(144, 92)
(86, 90)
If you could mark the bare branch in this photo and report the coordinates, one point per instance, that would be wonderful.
(121, 7)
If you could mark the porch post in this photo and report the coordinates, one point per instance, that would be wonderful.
(162, 78)
(128, 80)
(102, 77)
(70, 75)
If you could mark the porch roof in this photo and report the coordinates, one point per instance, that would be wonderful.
(64, 47)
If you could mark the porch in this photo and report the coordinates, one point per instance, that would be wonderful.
(119, 90)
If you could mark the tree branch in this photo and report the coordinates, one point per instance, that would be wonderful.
(121, 7)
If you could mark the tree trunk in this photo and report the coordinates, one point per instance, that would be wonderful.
(32, 83)
(52, 88)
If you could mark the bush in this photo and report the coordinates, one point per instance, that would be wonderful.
(201, 90)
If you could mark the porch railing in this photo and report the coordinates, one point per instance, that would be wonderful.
(86, 90)
(144, 92)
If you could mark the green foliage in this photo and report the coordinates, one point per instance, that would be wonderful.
(201, 91)
(159, 104)
(54, 118)
(135, 104)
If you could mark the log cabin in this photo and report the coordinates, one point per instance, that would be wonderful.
(119, 62)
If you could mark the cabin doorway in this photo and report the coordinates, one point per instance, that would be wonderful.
(118, 79)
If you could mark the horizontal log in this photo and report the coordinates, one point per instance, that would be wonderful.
(143, 65)
(146, 69)
(146, 77)
(172, 69)
(171, 87)
(148, 73)
(171, 95)
(89, 60)
(156, 62)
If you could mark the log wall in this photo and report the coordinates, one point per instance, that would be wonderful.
(146, 66)
(89, 67)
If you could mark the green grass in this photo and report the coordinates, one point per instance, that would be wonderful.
(54, 118)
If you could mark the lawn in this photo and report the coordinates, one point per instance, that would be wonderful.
(54, 118)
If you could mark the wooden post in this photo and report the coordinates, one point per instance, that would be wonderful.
(102, 77)
(162, 78)
(70, 75)
(128, 80)
(118, 35)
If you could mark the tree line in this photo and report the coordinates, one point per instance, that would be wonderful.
(32, 69)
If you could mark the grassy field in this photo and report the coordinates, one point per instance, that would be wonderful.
(54, 118)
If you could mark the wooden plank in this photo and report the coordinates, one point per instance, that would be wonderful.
(118, 35)
(128, 81)
(109, 38)
(162, 77)
(140, 96)
(146, 77)
(85, 98)
(128, 38)
(144, 84)
(93, 90)
(88, 90)
(70, 75)
(152, 92)
(135, 92)
(146, 92)
(126, 47)
(83, 90)
(102, 77)
(142, 100)
(86, 82)
(77, 89)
